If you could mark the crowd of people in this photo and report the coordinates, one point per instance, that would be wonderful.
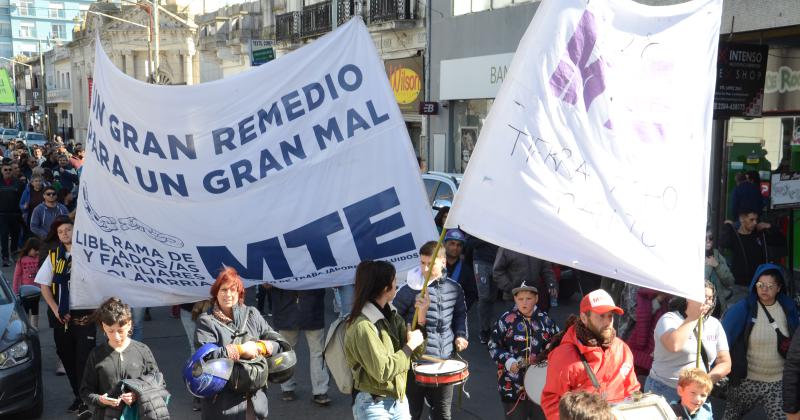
(749, 353)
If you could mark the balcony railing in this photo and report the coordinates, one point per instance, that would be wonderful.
(59, 95)
(389, 10)
(348, 9)
(316, 19)
(287, 26)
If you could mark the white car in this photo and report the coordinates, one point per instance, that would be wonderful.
(31, 138)
(441, 188)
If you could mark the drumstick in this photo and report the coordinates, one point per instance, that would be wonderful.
(432, 359)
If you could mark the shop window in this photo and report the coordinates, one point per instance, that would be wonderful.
(468, 118)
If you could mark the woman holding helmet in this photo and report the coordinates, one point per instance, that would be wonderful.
(239, 334)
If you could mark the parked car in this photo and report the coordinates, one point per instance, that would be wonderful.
(9, 134)
(32, 138)
(20, 355)
(441, 188)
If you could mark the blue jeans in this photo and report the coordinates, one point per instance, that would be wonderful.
(138, 323)
(483, 280)
(344, 299)
(365, 408)
(658, 388)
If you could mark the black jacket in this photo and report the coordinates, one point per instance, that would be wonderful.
(749, 251)
(298, 309)
(107, 368)
(10, 196)
(151, 396)
(791, 377)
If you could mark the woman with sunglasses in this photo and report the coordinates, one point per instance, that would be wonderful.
(759, 329)
(676, 345)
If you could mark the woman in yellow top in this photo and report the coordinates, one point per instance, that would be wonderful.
(378, 346)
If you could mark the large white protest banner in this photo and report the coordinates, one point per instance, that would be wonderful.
(595, 153)
(291, 173)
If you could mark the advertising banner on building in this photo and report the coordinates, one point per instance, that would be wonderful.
(595, 153)
(291, 177)
(782, 87)
(7, 95)
(741, 70)
(405, 77)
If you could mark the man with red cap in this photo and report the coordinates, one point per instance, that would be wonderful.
(590, 357)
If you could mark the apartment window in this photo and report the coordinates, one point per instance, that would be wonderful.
(5, 29)
(56, 10)
(5, 11)
(27, 30)
(462, 7)
(26, 8)
(59, 31)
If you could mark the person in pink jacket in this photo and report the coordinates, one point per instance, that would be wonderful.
(25, 272)
(650, 305)
(591, 342)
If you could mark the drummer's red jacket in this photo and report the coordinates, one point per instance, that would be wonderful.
(565, 372)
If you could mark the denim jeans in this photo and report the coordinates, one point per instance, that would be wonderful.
(138, 323)
(343, 295)
(365, 408)
(483, 280)
(669, 393)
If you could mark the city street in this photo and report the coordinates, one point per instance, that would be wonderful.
(166, 337)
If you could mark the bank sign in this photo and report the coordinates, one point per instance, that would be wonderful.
(405, 77)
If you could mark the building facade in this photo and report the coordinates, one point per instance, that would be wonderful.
(126, 44)
(32, 24)
(224, 39)
(473, 41)
(397, 28)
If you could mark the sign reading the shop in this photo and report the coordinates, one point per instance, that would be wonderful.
(429, 108)
(405, 77)
(261, 51)
(741, 70)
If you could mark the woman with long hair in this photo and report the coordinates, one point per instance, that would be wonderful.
(378, 346)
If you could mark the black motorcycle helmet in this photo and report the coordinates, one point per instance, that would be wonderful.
(281, 365)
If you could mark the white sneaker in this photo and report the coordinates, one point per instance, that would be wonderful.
(60, 368)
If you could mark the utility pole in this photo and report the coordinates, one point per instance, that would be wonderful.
(43, 88)
(157, 41)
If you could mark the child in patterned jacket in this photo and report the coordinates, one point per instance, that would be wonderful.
(517, 338)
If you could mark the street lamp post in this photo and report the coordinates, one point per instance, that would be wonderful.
(43, 89)
(16, 96)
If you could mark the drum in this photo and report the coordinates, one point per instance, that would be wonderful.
(643, 406)
(448, 372)
(535, 377)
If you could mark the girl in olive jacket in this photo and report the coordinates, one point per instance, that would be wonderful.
(378, 346)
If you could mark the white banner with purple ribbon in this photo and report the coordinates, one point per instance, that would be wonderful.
(595, 153)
